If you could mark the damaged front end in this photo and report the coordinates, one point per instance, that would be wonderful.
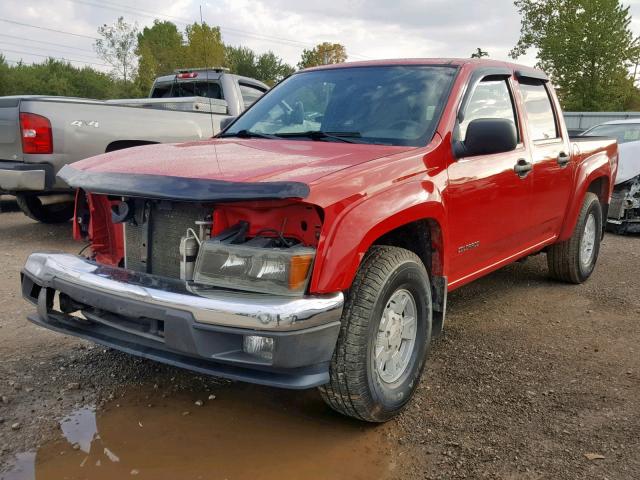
(212, 285)
(624, 210)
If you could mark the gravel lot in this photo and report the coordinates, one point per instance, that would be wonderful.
(532, 379)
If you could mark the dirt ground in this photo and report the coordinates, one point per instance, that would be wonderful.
(533, 379)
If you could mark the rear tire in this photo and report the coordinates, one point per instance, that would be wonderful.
(574, 260)
(55, 213)
(381, 351)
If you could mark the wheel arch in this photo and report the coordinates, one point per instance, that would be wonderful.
(424, 238)
(593, 175)
(419, 228)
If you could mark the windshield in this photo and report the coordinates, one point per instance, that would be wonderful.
(623, 132)
(393, 105)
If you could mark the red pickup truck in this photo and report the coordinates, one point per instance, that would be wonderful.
(313, 243)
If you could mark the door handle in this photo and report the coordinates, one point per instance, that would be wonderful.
(563, 159)
(522, 168)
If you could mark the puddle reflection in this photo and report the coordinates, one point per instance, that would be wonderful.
(246, 432)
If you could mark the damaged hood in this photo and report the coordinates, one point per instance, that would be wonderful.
(628, 161)
(220, 168)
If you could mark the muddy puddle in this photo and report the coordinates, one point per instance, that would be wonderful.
(246, 432)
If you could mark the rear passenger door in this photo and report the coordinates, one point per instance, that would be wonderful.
(551, 158)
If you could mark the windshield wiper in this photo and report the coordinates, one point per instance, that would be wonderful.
(247, 134)
(347, 137)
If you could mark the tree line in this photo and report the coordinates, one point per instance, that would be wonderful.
(138, 57)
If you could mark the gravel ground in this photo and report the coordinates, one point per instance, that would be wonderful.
(530, 378)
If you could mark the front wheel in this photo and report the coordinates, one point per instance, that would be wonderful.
(575, 259)
(32, 207)
(384, 337)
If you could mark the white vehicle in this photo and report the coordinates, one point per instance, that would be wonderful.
(624, 211)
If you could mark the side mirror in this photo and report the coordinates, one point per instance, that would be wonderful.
(226, 121)
(486, 136)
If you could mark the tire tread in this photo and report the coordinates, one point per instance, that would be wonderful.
(562, 257)
(347, 391)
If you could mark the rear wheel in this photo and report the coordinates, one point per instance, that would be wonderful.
(33, 208)
(384, 338)
(575, 259)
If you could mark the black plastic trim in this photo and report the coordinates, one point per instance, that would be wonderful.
(532, 74)
(179, 188)
(300, 381)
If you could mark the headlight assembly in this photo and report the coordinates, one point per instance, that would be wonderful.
(280, 271)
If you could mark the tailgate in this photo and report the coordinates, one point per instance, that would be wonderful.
(10, 142)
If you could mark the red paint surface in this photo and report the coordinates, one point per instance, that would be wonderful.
(106, 238)
(361, 192)
(238, 160)
(300, 221)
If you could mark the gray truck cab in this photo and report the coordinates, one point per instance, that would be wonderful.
(236, 91)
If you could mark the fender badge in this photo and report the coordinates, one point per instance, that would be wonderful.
(468, 246)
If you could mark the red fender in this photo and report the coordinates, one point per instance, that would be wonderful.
(357, 228)
(589, 170)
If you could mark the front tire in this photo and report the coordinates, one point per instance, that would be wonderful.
(33, 208)
(384, 338)
(574, 260)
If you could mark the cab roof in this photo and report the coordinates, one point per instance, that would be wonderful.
(458, 62)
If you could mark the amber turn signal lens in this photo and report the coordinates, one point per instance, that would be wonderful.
(299, 270)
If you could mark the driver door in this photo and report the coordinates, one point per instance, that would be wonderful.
(488, 202)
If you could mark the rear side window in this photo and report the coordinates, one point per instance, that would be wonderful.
(490, 99)
(250, 94)
(187, 89)
(540, 116)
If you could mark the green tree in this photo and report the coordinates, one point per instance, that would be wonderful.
(160, 51)
(54, 77)
(241, 60)
(479, 53)
(4, 75)
(271, 69)
(117, 47)
(323, 54)
(204, 46)
(586, 46)
(147, 67)
(267, 67)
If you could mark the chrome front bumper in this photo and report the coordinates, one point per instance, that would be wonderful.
(170, 321)
(206, 305)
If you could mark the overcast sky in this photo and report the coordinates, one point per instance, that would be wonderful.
(369, 29)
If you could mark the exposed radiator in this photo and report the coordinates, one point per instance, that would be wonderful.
(168, 223)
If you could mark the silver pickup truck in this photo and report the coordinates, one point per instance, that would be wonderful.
(41, 134)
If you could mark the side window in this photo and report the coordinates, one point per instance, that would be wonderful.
(490, 99)
(540, 116)
(250, 94)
